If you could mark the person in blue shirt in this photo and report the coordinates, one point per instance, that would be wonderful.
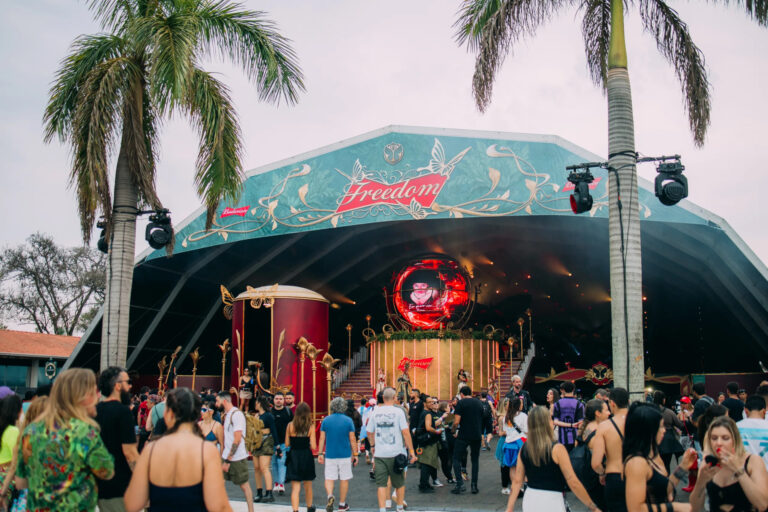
(337, 431)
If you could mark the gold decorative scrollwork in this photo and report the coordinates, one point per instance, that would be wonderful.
(263, 297)
(228, 301)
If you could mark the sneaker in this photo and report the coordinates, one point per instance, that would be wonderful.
(343, 507)
(276, 487)
(372, 475)
(394, 495)
(505, 490)
(329, 503)
(459, 489)
(450, 481)
(388, 503)
(281, 490)
(437, 483)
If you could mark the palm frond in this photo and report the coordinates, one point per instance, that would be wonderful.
(113, 15)
(94, 131)
(674, 42)
(253, 43)
(219, 163)
(756, 9)
(491, 28)
(596, 30)
(87, 53)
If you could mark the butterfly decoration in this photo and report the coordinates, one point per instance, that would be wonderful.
(228, 300)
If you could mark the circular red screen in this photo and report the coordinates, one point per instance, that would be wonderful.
(431, 291)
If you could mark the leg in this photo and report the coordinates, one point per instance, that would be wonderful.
(246, 487)
(459, 449)
(257, 479)
(424, 477)
(264, 463)
(295, 489)
(343, 488)
(329, 488)
(505, 477)
(280, 473)
(474, 450)
(400, 495)
(382, 494)
(308, 492)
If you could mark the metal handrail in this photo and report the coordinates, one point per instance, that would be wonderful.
(525, 366)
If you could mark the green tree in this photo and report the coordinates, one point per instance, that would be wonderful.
(491, 28)
(112, 92)
(55, 289)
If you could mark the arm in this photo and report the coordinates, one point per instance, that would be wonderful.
(598, 452)
(137, 494)
(321, 446)
(428, 425)
(560, 456)
(312, 438)
(97, 458)
(517, 484)
(699, 493)
(131, 453)
(218, 431)
(353, 445)
(637, 472)
(214, 493)
(409, 444)
(288, 432)
(755, 482)
(456, 423)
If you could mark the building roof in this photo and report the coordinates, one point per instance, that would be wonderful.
(36, 344)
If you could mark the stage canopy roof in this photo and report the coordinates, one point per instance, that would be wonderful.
(342, 219)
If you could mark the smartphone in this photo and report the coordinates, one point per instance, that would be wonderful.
(711, 460)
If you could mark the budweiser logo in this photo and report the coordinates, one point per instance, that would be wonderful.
(414, 363)
(240, 212)
(423, 190)
(568, 187)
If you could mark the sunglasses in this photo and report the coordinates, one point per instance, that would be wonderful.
(204, 409)
(121, 381)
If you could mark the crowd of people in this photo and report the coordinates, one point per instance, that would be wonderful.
(88, 442)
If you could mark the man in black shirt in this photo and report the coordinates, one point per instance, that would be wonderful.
(516, 392)
(732, 403)
(118, 431)
(415, 410)
(468, 430)
(283, 417)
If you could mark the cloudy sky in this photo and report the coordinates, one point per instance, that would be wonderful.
(375, 63)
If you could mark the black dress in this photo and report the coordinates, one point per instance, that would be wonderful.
(299, 464)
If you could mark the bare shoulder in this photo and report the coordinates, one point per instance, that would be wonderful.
(636, 466)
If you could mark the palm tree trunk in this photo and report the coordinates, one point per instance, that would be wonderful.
(623, 219)
(117, 299)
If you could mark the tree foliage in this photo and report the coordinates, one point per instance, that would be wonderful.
(55, 289)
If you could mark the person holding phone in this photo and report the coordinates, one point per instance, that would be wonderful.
(731, 478)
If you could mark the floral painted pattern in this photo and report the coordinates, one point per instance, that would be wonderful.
(60, 466)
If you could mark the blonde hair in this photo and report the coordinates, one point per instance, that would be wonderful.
(36, 408)
(501, 411)
(69, 389)
(541, 436)
(727, 423)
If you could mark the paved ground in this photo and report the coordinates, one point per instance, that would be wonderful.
(362, 496)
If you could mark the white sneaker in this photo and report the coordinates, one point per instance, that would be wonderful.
(275, 487)
(505, 490)
(437, 482)
(388, 503)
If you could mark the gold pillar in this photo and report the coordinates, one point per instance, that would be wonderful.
(302, 345)
(312, 352)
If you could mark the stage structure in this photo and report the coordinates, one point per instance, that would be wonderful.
(281, 334)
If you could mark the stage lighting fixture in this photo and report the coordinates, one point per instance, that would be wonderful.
(102, 243)
(159, 231)
(671, 185)
(581, 200)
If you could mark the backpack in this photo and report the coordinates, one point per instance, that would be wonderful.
(253, 432)
(487, 411)
(581, 460)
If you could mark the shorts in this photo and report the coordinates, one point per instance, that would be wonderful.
(245, 395)
(266, 449)
(385, 469)
(111, 505)
(237, 472)
(338, 469)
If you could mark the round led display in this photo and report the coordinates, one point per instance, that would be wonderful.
(430, 291)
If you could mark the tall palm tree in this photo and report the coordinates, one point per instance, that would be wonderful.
(114, 89)
(490, 28)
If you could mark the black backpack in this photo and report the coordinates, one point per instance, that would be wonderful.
(581, 460)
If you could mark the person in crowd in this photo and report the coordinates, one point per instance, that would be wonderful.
(607, 445)
(742, 395)
(337, 431)
(381, 380)
(762, 390)
(648, 485)
(670, 445)
(19, 504)
(155, 422)
(567, 414)
(357, 419)
(712, 412)
(141, 420)
(463, 379)
(429, 431)
(10, 412)
(234, 455)
(283, 417)
(688, 438)
(732, 403)
(488, 420)
(733, 479)
(515, 428)
(117, 430)
(29, 395)
(211, 429)
(545, 464)
(595, 412)
(245, 385)
(416, 407)
(185, 473)
(468, 431)
(721, 397)
(300, 464)
(290, 402)
(262, 457)
(602, 394)
(700, 404)
(62, 452)
(389, 435)
(553, 395)
(754, 428)
(364, 411)
(517, 392)
(445, 448)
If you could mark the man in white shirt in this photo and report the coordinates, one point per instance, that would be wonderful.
(388, 434)
(234, 455)
(754, 428)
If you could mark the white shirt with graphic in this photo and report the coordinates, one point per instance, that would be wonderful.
(387, 422)
(754, 435)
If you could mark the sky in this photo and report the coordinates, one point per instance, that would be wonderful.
(377, 63)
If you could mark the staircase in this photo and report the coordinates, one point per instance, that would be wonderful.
(505, 379)
(358, 385)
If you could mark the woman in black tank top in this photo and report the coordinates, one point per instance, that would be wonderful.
(737, 481)
(649, 488)
(179, 471)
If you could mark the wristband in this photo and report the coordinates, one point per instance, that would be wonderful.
(679, 473)
(740, 472)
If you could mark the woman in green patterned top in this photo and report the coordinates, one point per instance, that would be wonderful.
(62, 452)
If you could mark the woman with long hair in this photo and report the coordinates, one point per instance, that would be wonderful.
(710, 414)
(514, 425)
(648, 485)
(262, 456)
(62, 452)
(245, 383)
(546, 465)
(595, 412)
(211, 429)
(553, 395)
(300, 464)
(670, 444)
(185, 473)
(732, 479)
